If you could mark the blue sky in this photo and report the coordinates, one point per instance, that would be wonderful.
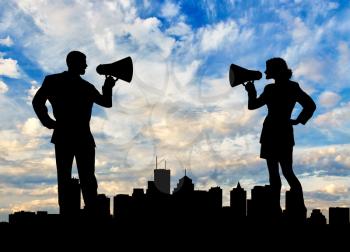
(179, 105)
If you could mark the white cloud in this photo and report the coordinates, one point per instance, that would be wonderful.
(337, 118)
(111, 188)
(3, 87)
(328, 184)
(179, 29)
(170, 9)
(105, 41)
(329, 99)
(9, 68)
(324, 158)
(32, 91)
(311, 69)
(343, 158)
(148, 36)
(32, 128)
(6, 41)
(300, 31)
(336, 189)
(14, 146)
(343, 67)
(306, 39)
(35, 205)
(214, 36)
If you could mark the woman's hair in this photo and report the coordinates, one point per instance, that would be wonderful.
(279, 67)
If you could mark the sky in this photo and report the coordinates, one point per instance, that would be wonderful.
(179, 105)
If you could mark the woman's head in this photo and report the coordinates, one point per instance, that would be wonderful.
(276, 68)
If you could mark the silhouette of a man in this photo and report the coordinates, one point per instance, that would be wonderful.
(72, 98)
(277, 138)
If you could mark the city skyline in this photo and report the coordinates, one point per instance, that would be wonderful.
(241, 209)
(185, 202)
(180, 105)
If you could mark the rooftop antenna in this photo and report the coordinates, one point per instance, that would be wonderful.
(185, 171)
(156, 162)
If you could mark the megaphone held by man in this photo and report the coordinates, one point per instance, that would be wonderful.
(239, 75)
(121, 69)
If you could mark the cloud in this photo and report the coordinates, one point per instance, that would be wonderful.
(35, 205)
(170, 9)
(329, 99)
(3, 87)
(311, 69)
(213, 36)
(32, 128)
(32, 91)
(335, 189)
(300, 32)
(179, 29)
(9, 68)
(343, 60)
(335, 119)
(323, 161)
(6, 41)
(326, 187)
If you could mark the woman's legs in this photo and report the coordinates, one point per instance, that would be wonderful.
(296, 191)
(275, 180)
(288, 173)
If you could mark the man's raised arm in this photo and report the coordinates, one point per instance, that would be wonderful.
(105, 99)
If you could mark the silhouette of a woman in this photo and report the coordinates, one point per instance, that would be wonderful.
(277, 138)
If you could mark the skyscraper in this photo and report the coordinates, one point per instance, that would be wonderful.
(162, 180)
(215, 197)
(103, 205)
(72, 204)
(238, 201)
(184, 185)
(338, 216)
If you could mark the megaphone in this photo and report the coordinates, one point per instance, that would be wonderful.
(121, 69)
(239, 75)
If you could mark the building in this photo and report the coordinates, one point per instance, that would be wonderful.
(73, 203)
(338, 216)
(317, 218)
(162, 180)
(238, 202)
(103, 205)
(184, 185)
(215, 197)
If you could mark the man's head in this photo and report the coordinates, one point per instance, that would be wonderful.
(276, 68)
(76, 62)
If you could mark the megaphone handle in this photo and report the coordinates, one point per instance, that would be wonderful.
(106, 76)
(245, 84)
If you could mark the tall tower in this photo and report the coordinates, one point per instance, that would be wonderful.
(215, 197)
(238, 201)
(162, 179)
(71, 204)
